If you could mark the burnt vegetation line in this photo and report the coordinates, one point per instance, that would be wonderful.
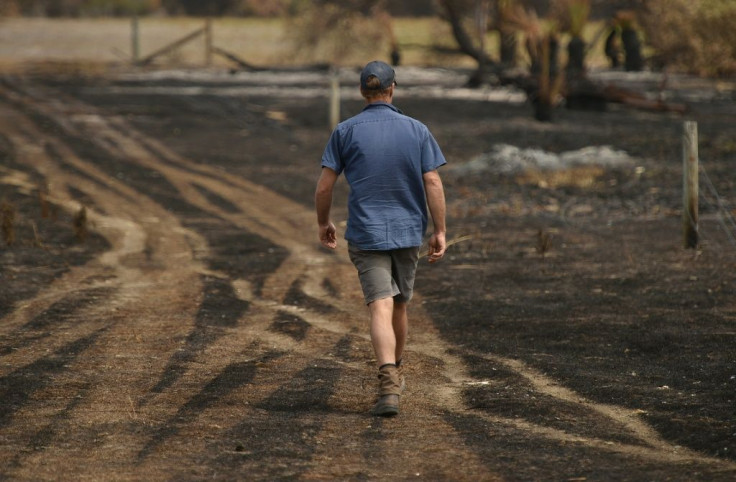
(225, 129)
(44, 249)
(237, 259)
(52, 150)
(508, 394)
(233, 377)
(61, 314)
(18, 387)
(297, 297)
(290, 325)
(501, 445)
(48, 434)
(219, 310)
(293, 416)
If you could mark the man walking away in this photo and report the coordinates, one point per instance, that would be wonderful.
(390, 162)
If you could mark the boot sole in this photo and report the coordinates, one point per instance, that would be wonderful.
(388, 411)
(386, 406)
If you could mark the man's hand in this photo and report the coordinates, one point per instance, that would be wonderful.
(437, 247)
(436, 204)
(323, 203)
(327, 235)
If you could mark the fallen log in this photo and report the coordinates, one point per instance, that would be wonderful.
(584, 94)
(638, 100)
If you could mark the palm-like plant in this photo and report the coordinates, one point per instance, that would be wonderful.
(574, 16)
(542, 45)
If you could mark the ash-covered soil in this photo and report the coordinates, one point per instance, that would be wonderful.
(198, 331)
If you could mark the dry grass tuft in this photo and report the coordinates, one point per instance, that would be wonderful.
(36, 237)
(81, 225)
(7, 213)
(544, 242)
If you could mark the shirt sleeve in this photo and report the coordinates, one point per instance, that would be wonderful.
(432, 156)
(331, 157)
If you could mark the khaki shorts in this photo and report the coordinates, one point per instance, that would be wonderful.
(385, 274)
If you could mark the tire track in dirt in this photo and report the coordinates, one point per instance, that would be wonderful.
(230, 378)
(294, 272)
(202, 332)
(297, 288)
(121, 314)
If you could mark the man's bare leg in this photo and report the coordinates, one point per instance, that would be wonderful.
(383, 337)
(400, 323)
(384, 344)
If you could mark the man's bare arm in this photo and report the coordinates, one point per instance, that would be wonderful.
(436, 203)
(323, 204)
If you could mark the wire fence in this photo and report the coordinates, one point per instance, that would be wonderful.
(723, 211)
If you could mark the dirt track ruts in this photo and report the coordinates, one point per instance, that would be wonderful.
(215, 339)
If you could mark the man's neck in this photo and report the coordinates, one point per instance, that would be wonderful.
(384, 100)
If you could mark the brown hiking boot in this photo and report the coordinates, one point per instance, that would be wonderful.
(386, 406)
(388, 380)
(389, 389)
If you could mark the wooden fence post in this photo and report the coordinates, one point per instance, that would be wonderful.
(334, 97)
(208, 42)
(690, 184)
(135, 39)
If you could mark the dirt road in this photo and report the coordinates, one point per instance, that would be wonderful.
(200, 332)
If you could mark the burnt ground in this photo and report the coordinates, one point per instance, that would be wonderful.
(198, 330)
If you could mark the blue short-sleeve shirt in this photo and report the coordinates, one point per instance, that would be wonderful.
(384, 154)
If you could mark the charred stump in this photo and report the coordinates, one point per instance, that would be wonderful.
(395, 56)
(542, 108)
(575, 58)
(633, 60)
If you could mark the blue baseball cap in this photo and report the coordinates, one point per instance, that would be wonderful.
(382, 71)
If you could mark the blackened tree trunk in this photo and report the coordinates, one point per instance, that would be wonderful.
(542, 109)
(544, 53)
(575, 58)
(633, 61)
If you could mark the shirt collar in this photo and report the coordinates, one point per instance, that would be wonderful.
(382, 104)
